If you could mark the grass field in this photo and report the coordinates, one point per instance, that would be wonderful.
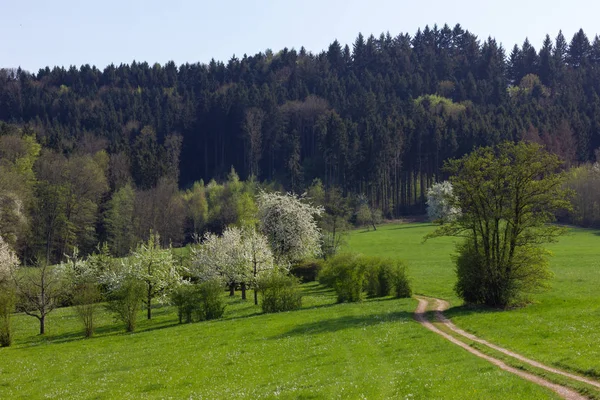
(371, 350)
(561, 327)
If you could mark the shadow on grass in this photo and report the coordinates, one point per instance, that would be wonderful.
(318, 290)
(345, 322)
(464, 310)
(411, 226)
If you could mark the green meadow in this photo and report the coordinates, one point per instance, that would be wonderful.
(372, 350)
(560, 327)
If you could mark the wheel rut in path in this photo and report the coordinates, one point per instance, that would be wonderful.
(562, 391)
(442, 305)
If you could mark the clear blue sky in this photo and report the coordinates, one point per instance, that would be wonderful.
(36, 33)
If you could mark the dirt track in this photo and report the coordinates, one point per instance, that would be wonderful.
(562, 391)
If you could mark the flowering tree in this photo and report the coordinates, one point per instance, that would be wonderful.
(290, 227)
(236, 257)
(8, 261)
(258, 254)
(221, 258)
(152, 265)
(439, 203)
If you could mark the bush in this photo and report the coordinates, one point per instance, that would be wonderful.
(212, 305)
(85, 299)
(386, 277)
(346, 274)
(350, 274)
(280, 292)
(201, 302)
(185, 298)
(7, 306)
(126, 301)
(529, 273)
(308, 270)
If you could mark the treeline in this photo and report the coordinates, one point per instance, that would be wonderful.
(52, 203)
(376, 118)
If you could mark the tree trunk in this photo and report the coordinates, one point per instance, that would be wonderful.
(255, 297)
(232, 289)
(43, 325)
(149, 306)
(243, 291)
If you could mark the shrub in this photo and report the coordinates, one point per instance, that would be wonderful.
(210, 295)
(7, 306)
(350, 274)
(508, 287)
(125, 301)
(280, 292)
(85, 299)
(185, 298)
(346, 274)
(308, 270)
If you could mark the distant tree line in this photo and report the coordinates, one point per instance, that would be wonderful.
(376, 118)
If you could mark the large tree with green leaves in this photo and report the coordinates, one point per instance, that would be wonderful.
(508, 196)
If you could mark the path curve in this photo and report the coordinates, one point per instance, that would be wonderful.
(562, 391)
(442, 305)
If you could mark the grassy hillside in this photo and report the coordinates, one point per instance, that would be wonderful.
(561, 327)
(370, 350)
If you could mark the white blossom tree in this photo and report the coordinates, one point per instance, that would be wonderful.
(152, 265)
(258, 254)
(290, 226)
(439, 203)
(8, 264)
(237, 258)
(8, 261)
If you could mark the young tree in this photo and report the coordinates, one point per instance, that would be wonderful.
(259, 255)
(8, 263)
(125, 300)
(334, 221)
(223, 258)
(118, 220)
(38, 289)
(507, 196)
(82, 278)
(155, 267)
(439, 203)
(237, 257)
(290, 226)
(367, 215)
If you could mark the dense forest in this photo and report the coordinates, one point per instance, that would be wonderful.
(375, 119)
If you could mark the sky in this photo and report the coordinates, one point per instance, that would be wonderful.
(39, 33)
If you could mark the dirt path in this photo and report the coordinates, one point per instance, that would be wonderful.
(442, 305)
(562, 391)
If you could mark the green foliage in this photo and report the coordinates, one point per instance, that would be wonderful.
(346, 274)
(86, 299)
(350, 275)
(7, 307)
(507, 196)
(125, 302)
(203, 301)
(440, 105)
(386, 277)
(185, 299)
(279, 292)
(118, 219)
(212, 305)
(584, 181)
(307, 270)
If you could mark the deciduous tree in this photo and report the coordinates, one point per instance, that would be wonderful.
(508, 195)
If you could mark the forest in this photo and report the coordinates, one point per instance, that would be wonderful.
(91, 155)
